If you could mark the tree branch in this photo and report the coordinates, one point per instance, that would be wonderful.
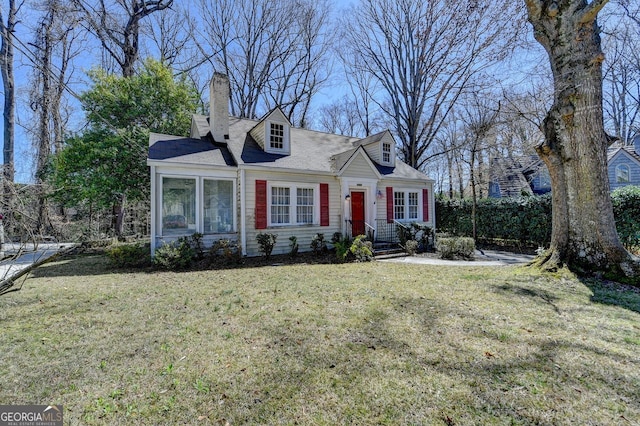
(535, 8)
(589, 14)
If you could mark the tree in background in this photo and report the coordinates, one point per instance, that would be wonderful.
(117, 25)
(621, 42)
(7, 29)
(107, 163)
(273, 51)
(424, 56)
(575, 147)
(54, 51)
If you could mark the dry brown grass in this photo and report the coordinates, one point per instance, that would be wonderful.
(376, 343)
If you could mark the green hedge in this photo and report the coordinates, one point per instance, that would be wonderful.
(626, 209)
(527, 220)
(524, 219)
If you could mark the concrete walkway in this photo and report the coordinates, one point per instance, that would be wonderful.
(484, 258)
(21, 258)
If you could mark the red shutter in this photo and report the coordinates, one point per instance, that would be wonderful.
(425, 205)
(389, 204)
(324, 204)
(261, 204)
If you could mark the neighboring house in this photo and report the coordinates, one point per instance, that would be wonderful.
(624, 164)
(234, 178)
(512, 177)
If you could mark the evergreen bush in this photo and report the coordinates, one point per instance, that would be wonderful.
(175, 255)
(266, 243)
(626, 209)
(455, 247)
(129, 255)
(362, 249)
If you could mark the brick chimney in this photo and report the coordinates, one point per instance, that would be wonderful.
(219, 107)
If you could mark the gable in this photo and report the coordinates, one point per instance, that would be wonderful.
(376, 149)
(359, 165)
(623, 159)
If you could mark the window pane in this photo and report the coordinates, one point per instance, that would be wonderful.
(178, 206)
(218, 206)
(398, 205)
(386, 152)
(413, 205)
(622, 174)
(277, 136)
(304, 209)
(280, 201)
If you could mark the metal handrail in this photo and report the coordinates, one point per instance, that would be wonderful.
(370, 231)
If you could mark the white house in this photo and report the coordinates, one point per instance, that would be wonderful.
(234, 178)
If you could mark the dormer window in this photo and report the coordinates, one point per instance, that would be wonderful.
(276, 136)
(386, 152)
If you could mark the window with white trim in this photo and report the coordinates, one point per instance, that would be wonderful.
(178, 206)
(406, 205)
(276, 136)
(304, 209)
(293, 204)
(280, 201)
(622, 173)
(217, 206)
(398, 206)
(190, 205)
(386, 152)
(412, 205)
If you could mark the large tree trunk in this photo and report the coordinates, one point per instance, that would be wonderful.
(575, 149)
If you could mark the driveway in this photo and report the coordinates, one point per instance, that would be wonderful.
(21, 258)
(482, 258)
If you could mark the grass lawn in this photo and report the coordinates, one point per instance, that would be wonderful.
(375, 343)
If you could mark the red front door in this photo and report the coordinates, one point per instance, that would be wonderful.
(357, 214)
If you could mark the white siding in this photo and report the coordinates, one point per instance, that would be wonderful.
(359, 167)
(381, 205)
(258, 134)
(304, 233)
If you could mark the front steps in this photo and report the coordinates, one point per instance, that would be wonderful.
(385, 250)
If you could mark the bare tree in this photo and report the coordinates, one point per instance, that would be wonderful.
(53, 51)
(622, 76)
(423, 56)
(274, 52)
(480, 118)
(7, 30)
(116, 24)
(340, 117)
(170, 35)
(575, 147)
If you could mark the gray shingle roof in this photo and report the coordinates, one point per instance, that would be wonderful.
(188, 150)
(311, 151)
(617, 146)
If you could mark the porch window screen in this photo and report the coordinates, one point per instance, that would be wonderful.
(178, 206)
(218, 206)
(304, 209)
(280, 201)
